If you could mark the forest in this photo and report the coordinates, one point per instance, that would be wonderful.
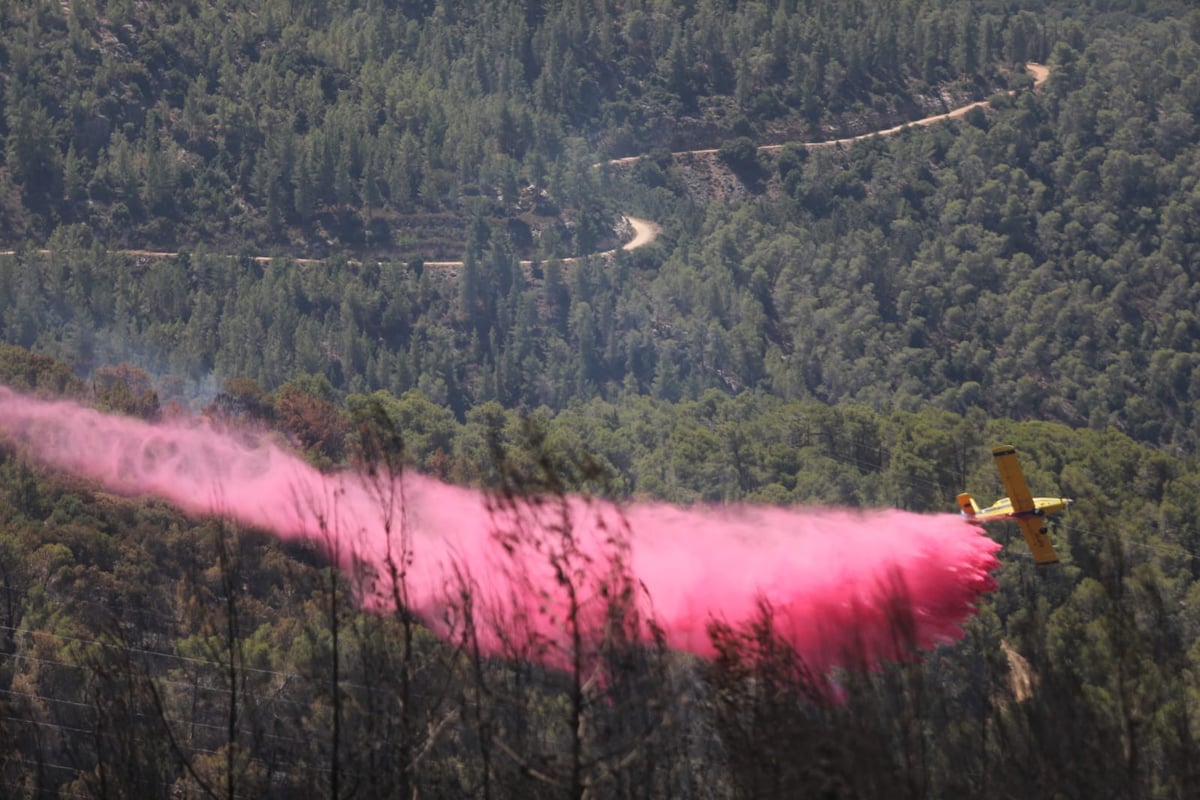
(388, 234)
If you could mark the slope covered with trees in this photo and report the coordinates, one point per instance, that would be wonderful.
(1038, 261)
(1034, 260)
(291, 126)
(144, 653)
(852, 326)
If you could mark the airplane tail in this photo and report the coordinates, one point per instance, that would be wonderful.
(967, 505)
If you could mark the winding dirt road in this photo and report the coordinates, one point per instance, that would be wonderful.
(645, 231)
(1038, 71)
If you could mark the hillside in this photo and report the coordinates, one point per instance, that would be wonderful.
(368, 242)
(1033, 260)
(154, 651)
(329, 130)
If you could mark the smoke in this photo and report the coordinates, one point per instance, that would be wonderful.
(833, 578)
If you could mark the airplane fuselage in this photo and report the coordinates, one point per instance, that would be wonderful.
(1002, 509)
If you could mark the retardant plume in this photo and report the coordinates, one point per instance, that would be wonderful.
(832, 577)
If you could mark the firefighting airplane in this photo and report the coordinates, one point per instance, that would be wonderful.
(1030, 512)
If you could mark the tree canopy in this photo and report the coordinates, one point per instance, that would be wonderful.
(387, 236)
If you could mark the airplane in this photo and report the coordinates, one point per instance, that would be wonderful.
(1030, 512)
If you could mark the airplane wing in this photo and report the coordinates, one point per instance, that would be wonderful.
(1013, 478)
(1033, 526)
(1034, 529)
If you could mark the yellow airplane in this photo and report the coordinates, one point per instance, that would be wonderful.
(1029, 512)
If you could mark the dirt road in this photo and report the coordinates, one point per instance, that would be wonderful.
(644, 231)
(1038, 71)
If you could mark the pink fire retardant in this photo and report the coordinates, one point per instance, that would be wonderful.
(835, 579)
